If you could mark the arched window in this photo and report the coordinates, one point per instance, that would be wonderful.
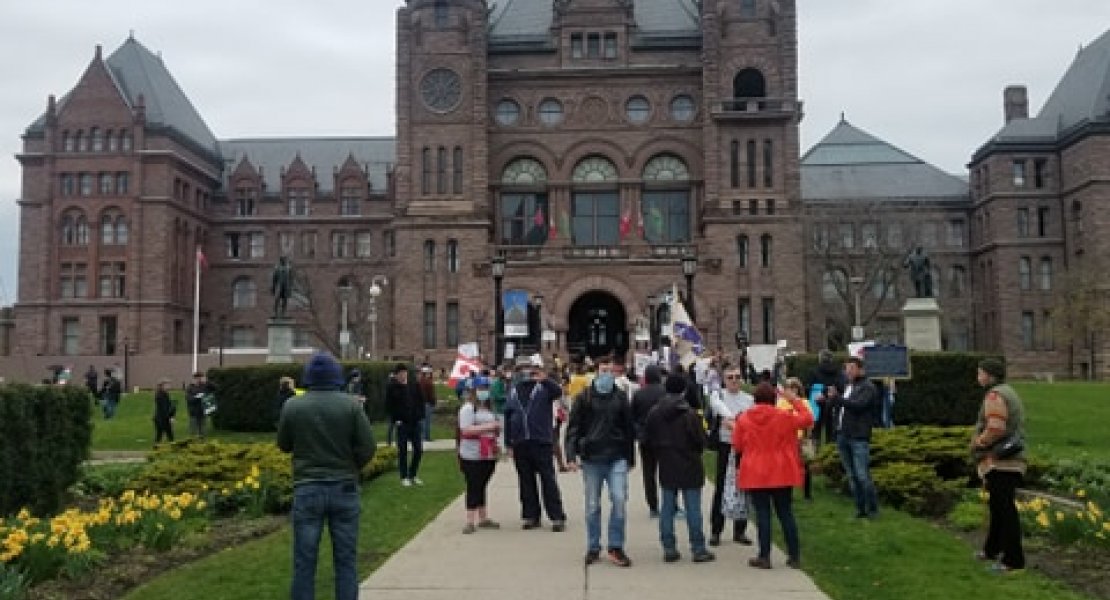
(524, 208)
(1046, 273)
(594, 169)
(666, 200)
(595, 204)
(742, 251)
(113, 228)
(766, 249)
(749, 83)
(452, 256)
(244, 293)
(69, 228)
(122, 233)
(429, 256)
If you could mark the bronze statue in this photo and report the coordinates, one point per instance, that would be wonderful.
(281, 286)
(921, 272)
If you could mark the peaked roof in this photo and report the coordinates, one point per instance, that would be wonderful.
(1081, 96)
(851, 164)
(533, 18)
(324, 154)
(136, 71)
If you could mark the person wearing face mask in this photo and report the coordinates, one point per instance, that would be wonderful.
(601, 435)
(528, 436)
(478, 429)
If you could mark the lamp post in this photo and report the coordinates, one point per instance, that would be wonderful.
(221, 326)
(689, 269)
(344, 291)
(498, 268)
(857, 329)
(653, 303)
(126, 361)
(372, 312)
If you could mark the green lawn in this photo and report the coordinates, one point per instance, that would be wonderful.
(1067, 419)
(391, 515)
(133, 427)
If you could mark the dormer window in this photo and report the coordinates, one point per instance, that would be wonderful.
(593, 45)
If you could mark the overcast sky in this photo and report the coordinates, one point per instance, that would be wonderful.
(925, 76)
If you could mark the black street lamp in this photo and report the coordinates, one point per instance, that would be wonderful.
(653, 303)
(126, 362)
(498, 268)
(689, 269)
(221, 323)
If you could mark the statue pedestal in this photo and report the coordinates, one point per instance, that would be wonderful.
(280, 334)
(921, 324)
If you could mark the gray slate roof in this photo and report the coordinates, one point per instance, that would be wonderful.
(533, 18)
(325, 154)
(1083, 95)
(850, 164)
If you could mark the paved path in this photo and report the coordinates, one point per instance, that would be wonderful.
(441, 563)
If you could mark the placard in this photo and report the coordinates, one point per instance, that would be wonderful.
(889, 360)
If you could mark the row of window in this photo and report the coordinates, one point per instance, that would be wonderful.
(767, 320)
(835, 284)
(751, 207)
(869, 235)
(637, 110)
(96, 140)
(594, 45)
(751, 158)
(73, 280)
(108, 335)
(452, 258)
(1025, 274)
(1029, 338)
(440, 171)
(75, 228)
(1023, 222)
(1021, 175)
(766, 250)
(297, 198)
(343, 244)
(183, 191)
(89, 184)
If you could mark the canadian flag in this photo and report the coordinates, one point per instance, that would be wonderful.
(466, 362)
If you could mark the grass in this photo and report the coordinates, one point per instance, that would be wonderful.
(133, 427)
(1067, 419)
(391, 515)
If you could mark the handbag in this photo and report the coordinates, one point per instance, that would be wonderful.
(1008, 447)
(734, 502)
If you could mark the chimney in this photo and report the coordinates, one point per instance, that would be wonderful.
(1015, 103)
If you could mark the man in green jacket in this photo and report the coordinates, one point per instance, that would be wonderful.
(329, 435)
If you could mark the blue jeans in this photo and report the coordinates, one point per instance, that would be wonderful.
(691, 498)
(427, 422)
(409, 433)
(614, 473)
(313, 503)
(110, 408)
(782, 498)
(855, 455)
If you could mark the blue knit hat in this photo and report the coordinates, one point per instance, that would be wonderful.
(323, 371)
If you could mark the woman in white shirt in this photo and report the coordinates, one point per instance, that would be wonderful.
(725, 406)
(478, 449)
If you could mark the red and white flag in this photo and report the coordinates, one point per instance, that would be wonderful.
(464, 366)
(202, 262)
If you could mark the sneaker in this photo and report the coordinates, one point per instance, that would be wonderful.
(470, 528)
(418, 481)
(558, 526)
(1001, 569)
(530, 524)
(715, 540)
(794, 563)
(406, 482)
(742, 539)
(759, 563)
(593, 556)
(671, 556)
(704, 556)
(489, 524)
(619, 558)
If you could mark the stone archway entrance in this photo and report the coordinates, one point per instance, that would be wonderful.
(597, 325)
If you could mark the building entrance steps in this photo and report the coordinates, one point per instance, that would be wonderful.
(440, 563)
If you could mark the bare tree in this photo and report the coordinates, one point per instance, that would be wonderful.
(1081, 310)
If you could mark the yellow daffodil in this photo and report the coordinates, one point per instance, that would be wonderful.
(1042, 520)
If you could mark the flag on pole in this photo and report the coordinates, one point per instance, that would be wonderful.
(687, 340)
(466, 361)
(202, 262)
(626, 224)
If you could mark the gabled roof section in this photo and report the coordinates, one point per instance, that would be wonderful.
(516, 19)
(1081, 96)
(270, 155)
(851, 164)
(139, 72)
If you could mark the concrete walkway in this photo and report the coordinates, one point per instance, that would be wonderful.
(441, 563)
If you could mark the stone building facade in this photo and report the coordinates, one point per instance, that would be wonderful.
(593, 144)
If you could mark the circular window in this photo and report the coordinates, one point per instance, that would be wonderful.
(638, 109)
(682, 108)
(507, 112)
(441, 90)
(551, 112)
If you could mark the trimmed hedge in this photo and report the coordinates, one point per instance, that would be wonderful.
(246, 397)
(943, 390)
(45, 433)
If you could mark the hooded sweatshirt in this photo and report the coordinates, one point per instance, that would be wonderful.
(677, 438)
(767, 438)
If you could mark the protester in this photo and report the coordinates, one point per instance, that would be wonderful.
(673, 430)
(164, 412)
(828, 379)
(478, 447)
(854, 412)
(601, 434)
(405, 405)
(767, 439)
(91, 377)
(998, 449)
(286, 390)
(529, 436)
(793, 390)
(428, 391)
(110, 392)
(725, 406)
(643, 401)
(330, 439)
(195, 396)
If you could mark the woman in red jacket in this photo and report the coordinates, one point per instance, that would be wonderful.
(766, 439)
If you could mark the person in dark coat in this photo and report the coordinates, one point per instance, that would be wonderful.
(643, 401)
(405, 405)
(530, 437)
(164, 412)
(195, 395)
(91, 379)
(675, 434)
(286, 390)
(830, 376)
(110, 392)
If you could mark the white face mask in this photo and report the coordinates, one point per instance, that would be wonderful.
(483, 395)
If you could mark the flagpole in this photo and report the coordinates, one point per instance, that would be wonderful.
(196, 307)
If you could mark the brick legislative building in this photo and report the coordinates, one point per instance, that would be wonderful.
(604, 152)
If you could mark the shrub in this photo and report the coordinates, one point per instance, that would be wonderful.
(943, 390)
(13, 583)
(915, 488)
(44, 437)
(247, 396)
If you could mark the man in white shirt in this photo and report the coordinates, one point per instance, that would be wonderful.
(724, 407)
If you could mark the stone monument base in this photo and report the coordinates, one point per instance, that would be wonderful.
(280, 334)
(921, 324)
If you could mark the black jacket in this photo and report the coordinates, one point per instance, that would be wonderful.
(676, 436)
(830, 375)
(643, 401)
(164, 407)
(404, 402)
(600, 427)
(194, 397)
(858, 408)
(528, 416)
